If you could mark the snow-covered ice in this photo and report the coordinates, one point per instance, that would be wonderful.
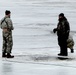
(35, 45)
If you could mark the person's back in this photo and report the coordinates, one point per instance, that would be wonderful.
(6, 22)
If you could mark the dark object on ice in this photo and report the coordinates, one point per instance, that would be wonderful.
(72, 50)
(4, 54)
(63, 30)
(62, 58)
(10, 56)
(65, 58)
(61, 54)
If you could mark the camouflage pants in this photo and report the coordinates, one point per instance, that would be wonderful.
(7, 42)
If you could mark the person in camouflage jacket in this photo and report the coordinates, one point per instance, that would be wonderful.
(63, 30)
(7, 27)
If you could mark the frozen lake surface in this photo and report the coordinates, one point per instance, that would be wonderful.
(35, 45)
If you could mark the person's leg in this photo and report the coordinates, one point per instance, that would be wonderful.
(4, 47)
(71, 47)
(72, 50)
(60, 51)
(64, 50)
(9, 46)
(63, 46)
(59, 43)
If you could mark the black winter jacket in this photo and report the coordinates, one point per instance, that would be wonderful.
(63, 28)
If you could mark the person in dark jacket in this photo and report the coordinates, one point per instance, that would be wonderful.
(63, 30)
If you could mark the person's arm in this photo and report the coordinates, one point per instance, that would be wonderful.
(67, 28)
(10, 24)
(54, 30)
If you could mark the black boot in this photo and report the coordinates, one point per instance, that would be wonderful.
(9, 56)
(72, 50)
(4, 54)
(62, 54)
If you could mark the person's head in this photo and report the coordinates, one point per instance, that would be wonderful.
(8, 13)
(61, 16)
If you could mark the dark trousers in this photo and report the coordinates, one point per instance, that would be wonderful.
(62, 41)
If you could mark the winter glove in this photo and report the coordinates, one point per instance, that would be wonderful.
(54, 30)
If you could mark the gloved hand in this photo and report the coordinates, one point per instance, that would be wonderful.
(54, 30)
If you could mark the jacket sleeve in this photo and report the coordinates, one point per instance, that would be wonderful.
(67, 29)
(10, 24)
(2, 24)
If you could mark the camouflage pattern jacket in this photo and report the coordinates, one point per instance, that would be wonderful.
(6, 23)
